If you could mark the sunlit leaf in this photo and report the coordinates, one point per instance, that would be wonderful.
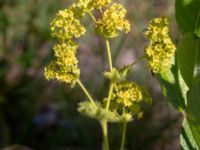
(187, 139)
(173, 86)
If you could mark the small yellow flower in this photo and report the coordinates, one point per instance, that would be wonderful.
(65, 25)
(99, 4)
(113, 21)
(89, 5)
(161, 47)
(85, 5)
(65, 67)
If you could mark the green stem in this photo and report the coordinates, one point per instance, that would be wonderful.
(100, 9)
(139, 59)
(109, 96)
(123, 136)
(109, 55)
(85, 91)
(92, 16)
(111, 67)
(104, 123)
(105, 135)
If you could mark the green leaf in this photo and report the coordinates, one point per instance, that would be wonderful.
(118, 75)
(186, 14)
(113, 75)
(173, 87)
(193, 109)
(187, 139)
(197, 26)
(97, 112)
(126, 117)
(188, 55)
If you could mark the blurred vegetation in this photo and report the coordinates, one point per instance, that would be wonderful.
(42, 115)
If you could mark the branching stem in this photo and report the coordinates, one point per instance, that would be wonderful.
(111, 67)
(104, 123)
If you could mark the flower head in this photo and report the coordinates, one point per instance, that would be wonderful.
(65, 25)
(126, 93)
(65, 67)
(160, 48)
(129, 95)
(113, 21)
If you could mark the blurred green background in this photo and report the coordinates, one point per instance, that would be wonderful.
(42, 114)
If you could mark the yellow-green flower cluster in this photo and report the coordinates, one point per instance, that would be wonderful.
(65, 25)
(65, 67)
(129, 95)
(89, 5)
(160, 48)
(113, 21)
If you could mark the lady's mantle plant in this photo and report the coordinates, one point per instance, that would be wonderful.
(123, 102)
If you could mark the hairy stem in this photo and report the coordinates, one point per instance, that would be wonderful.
(85, 91)
(123, 136)
(105, 135)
